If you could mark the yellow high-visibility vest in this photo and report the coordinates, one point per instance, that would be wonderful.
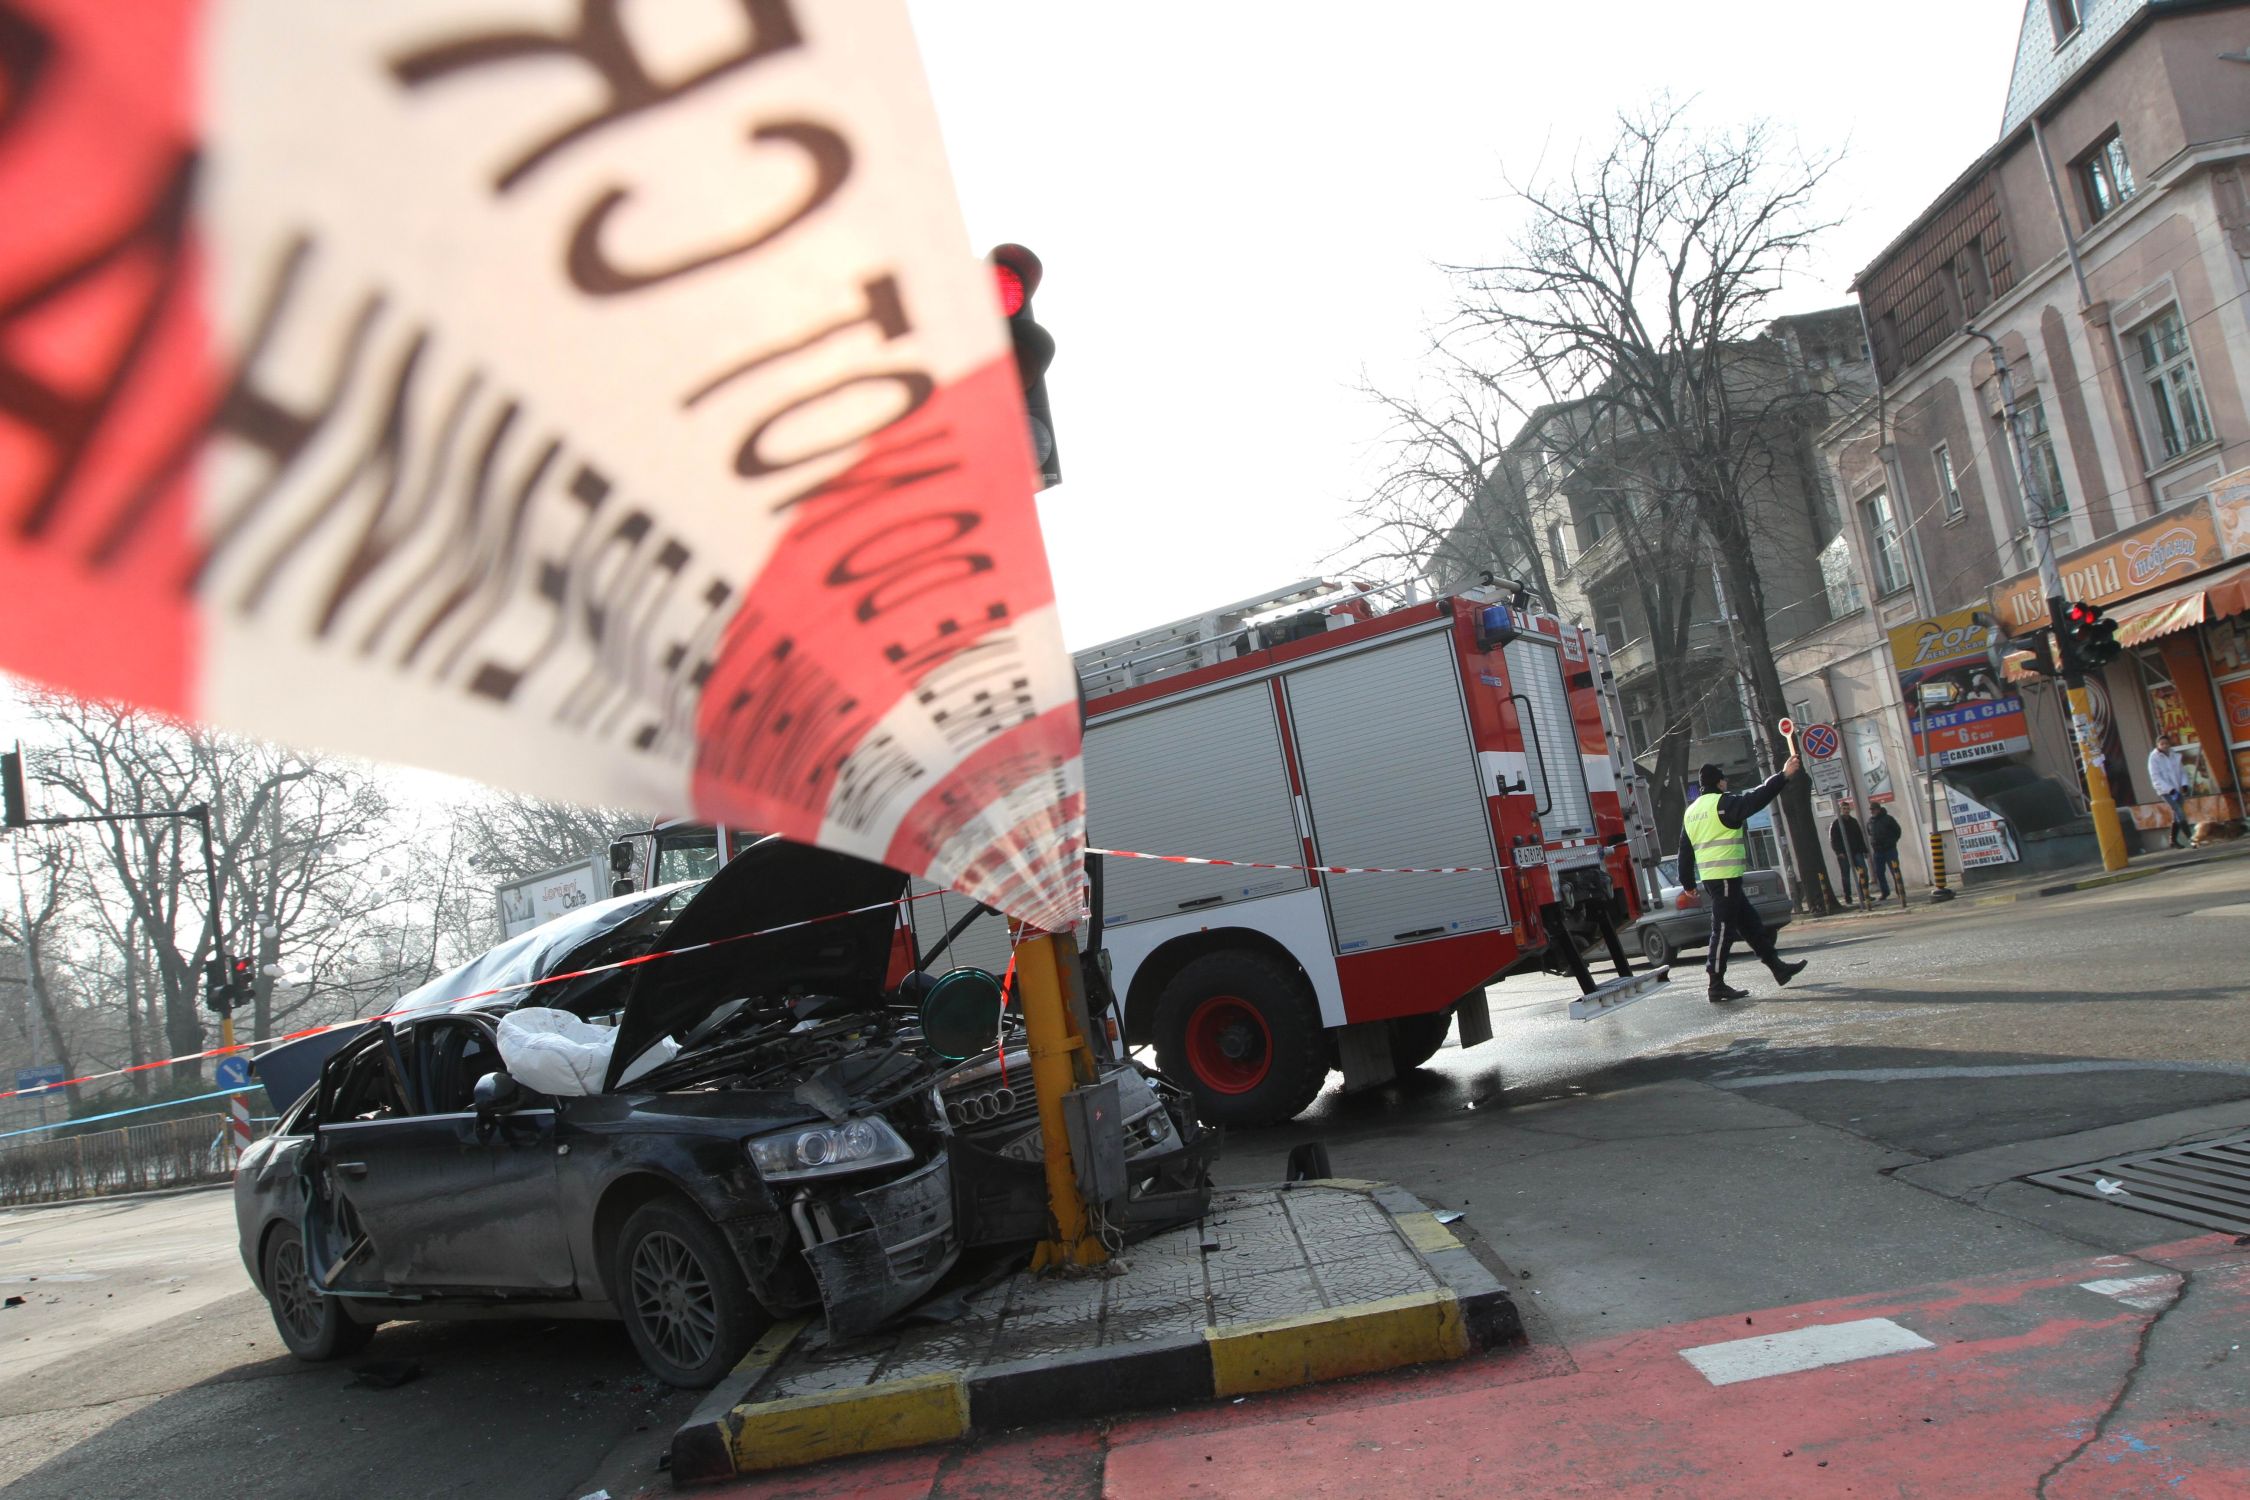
(1721, 853)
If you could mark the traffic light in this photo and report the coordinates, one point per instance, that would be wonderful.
(244, 983)
(1017, 272)
(218, 987)
(2093, 635)
(11, 789)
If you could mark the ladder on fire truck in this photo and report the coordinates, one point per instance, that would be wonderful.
(1216, 635)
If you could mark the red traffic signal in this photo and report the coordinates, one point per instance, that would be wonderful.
(1016, 273)
(2092, 635)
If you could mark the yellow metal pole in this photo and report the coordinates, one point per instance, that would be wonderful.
(1060, 1061)
(2096, 766)
(226, 1039)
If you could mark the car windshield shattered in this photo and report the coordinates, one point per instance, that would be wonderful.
(696, 1109)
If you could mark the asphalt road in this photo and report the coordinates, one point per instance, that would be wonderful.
(1678, 1159)
(1674, 1160)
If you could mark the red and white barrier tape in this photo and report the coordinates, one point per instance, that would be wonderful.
(1252, 864)
(268, 1043)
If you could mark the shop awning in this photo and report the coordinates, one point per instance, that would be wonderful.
(2209, 596)
(2155, 616)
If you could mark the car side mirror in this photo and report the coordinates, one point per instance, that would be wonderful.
(496, 1095)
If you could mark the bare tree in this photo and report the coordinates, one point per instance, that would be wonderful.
(30, 924)
(1640, 286)
(1452, 503)
(508, 835)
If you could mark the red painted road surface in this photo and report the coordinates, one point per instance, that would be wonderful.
(2117, 1376)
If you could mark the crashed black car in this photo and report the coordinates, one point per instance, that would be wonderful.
(772, 1133)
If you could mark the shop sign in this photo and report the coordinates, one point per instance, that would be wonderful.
(1924, 649)
(1972, 731)
(2234, 702)
(2177, 544)
(1982, 834)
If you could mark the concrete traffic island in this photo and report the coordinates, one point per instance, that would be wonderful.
(1275, 1287)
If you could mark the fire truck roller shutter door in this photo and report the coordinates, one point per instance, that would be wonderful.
(1401, 788)
(1201, 775)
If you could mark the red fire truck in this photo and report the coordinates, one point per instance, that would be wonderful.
(1305, 729)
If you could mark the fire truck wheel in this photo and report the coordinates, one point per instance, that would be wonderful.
(1416, 1039)
(1240, 1031)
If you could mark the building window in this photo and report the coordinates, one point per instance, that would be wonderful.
(1949, 489)
(1556, 547)
(1882, 539)
(2105, 177)
(1720, 710)
(2175, 394)
(1609, 619)
(2039, 449)
(2063, 14)
(1972, 282)
(1636, 731)
(1839, 578)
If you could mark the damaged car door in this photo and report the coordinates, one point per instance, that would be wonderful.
(445, 1199)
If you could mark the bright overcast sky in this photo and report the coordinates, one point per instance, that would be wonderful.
(1240, 206)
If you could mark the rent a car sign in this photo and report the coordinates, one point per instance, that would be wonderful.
(1970, 731)
(599, 401)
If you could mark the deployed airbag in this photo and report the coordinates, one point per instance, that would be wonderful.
(554, 1052)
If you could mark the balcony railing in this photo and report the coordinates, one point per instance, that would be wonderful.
(1637, 657)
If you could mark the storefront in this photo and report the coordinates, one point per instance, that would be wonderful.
(2178, 587)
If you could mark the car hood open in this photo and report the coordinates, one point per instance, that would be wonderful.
(772, 884)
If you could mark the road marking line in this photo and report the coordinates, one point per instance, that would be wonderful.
(1802, 1349)
(2148, 1293)
(1987, 1070)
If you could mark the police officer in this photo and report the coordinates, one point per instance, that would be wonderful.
(1714, 847)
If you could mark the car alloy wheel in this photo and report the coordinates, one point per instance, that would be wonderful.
(294, 1300)
(672, 1293)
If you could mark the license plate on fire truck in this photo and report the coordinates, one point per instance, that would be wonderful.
(1531, 854)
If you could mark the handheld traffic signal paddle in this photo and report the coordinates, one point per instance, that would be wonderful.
(1017, 271)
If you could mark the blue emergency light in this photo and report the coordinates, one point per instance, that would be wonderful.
(1495, 627)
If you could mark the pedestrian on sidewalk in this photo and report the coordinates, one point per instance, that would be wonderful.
(2167, 768)
(1714, 847)
(1849, 840)
(1882, 838)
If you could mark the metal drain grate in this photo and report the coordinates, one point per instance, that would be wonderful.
(2205, 1182)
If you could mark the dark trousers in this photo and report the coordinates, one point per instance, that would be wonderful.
(1851, 867)
(1732, 916)
(1886, 867)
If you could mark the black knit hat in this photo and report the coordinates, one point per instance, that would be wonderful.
(1712, 775)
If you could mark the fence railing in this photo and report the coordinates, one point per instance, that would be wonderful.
(135, 1158)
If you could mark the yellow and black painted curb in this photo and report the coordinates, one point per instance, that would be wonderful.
(733, 1433)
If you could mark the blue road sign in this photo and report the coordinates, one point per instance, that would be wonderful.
(234, 1072)
(32, 1078)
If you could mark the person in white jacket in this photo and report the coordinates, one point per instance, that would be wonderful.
(2168, 772)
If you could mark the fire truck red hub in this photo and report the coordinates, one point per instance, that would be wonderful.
(1229, 1045)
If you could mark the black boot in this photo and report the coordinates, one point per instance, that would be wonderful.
(1783, 973)
(1721, 990)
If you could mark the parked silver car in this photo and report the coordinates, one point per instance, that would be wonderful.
(1676, 925)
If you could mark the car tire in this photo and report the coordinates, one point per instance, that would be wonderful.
(686, 1304)
(313, 1325)
(1242, 1034)
(1416, 1039)
(1656, 947)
